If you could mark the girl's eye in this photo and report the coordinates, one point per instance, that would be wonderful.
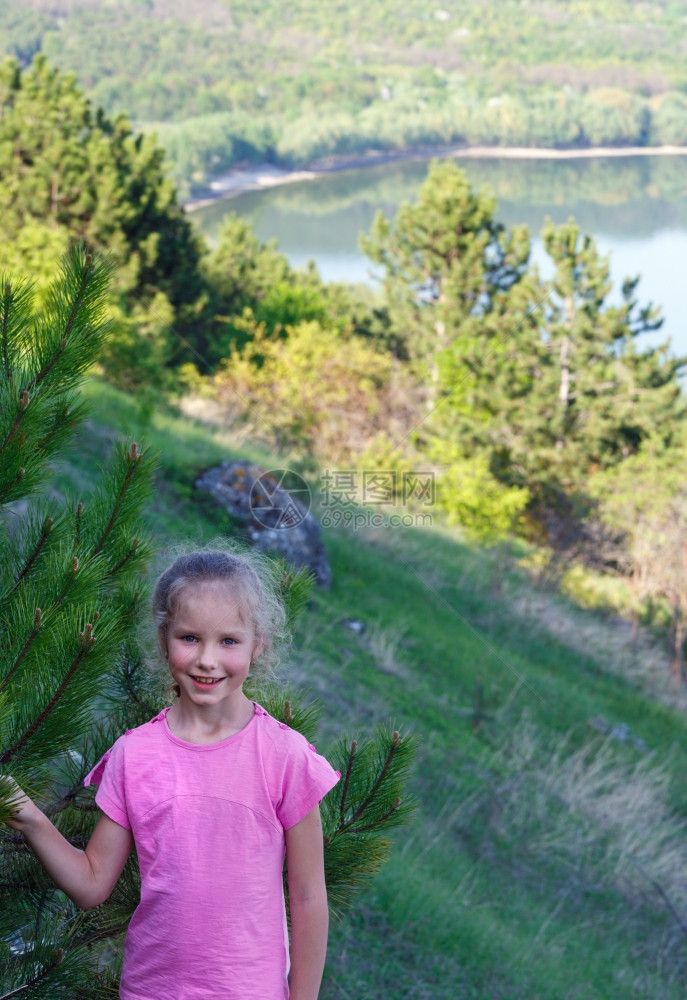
(188, 638)
(229, 642)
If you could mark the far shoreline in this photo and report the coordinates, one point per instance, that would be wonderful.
(261, 176)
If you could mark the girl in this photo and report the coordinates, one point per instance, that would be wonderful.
(210, 792)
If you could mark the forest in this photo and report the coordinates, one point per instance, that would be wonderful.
(533, 639)
(338, 80)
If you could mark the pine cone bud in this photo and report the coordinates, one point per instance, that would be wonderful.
(87, 637)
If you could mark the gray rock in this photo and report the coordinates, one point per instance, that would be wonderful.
(276, 515)
(354, 624)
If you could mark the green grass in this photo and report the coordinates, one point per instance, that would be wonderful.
(519, 878)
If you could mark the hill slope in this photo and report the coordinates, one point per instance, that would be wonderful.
(228, 81)
(546, 860)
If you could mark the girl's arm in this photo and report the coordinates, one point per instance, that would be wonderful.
(308, 903)
(88, 877)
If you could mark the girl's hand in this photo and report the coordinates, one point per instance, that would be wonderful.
(88, 877)
(22, 809)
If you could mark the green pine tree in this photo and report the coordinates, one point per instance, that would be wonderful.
(68, 173)
(449, 271)
(544, 379)
(72, 583)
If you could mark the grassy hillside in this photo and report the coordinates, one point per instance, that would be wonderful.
(228, 81)
(547, 859)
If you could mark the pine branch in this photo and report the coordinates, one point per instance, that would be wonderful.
(377, 822)
(87, 643)
(134, 456)
(395, 742)
(7, 302)
(45, 972)
(77, 523)
(86, 274)
(129, 555)
(47, 528)
(374, 775)
(37, 625)
(347, 779)
(295, 588)
(10, 486)
(22, 407)
(63, 422)
(71, 576)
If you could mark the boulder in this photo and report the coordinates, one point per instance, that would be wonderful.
(274, 508)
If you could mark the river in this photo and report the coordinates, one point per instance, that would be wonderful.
(635, 207)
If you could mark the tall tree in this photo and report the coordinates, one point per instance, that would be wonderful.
(449, 266)
(545, 378)
(69, 173)
(570, 391)
(69, 594)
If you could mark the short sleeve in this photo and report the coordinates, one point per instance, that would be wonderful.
(108, 775)
(306, 780)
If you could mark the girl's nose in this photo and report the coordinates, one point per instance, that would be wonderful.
(205, 657)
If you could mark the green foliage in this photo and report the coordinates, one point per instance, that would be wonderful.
(448, 264)
(295, 588)
(68, 173)
(316, 394)
(367, 804)
(240, 274)
(209, 144)
(226, 84)
(470, 495)
(669, 120)
(70, 596)
(542, 379)
(44, 358)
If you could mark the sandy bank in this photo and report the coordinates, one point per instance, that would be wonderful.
(259, 176)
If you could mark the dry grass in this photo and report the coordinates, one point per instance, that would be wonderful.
(644, 662)
(603, 820)
(383, 644)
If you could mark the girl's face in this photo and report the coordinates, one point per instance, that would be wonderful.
(209, 646)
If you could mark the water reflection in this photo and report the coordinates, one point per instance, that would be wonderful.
(635, 207)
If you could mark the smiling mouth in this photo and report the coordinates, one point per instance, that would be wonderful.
(206, 681)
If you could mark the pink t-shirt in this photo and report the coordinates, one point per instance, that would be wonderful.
(208, 822)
